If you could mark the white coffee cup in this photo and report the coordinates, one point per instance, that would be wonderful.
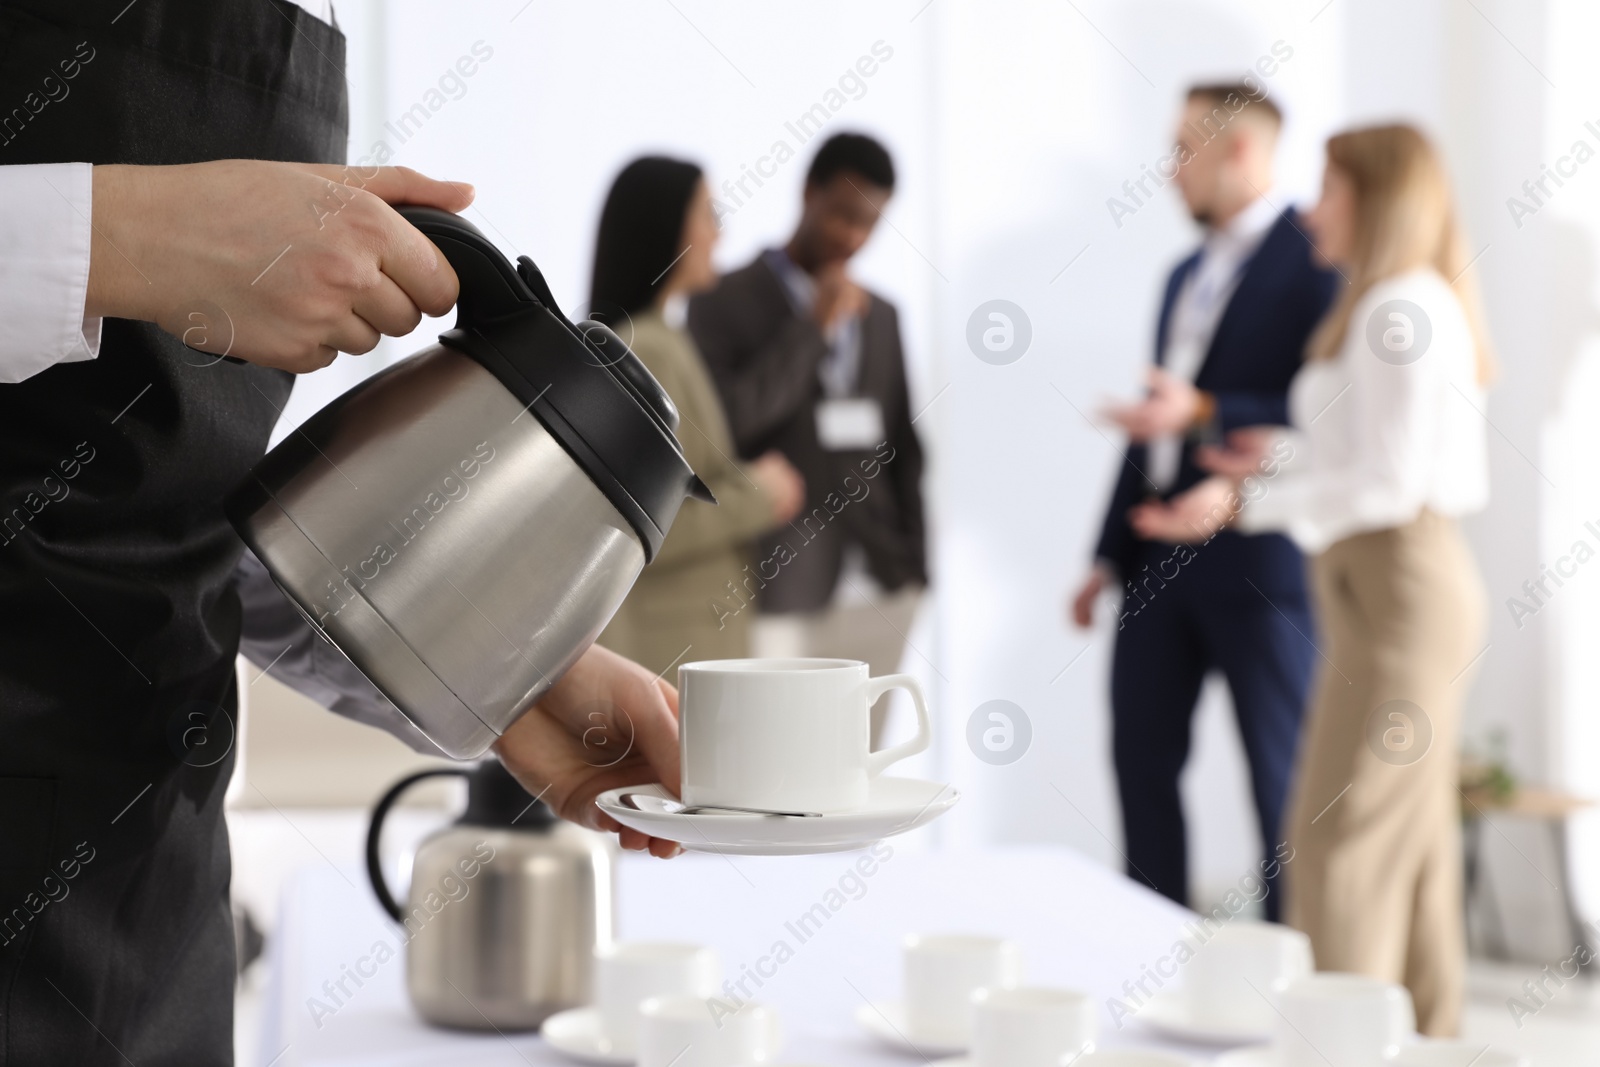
(786, 734)
(1031, 1027)
(630, 972)
(1342, 1020)
(942, 972)
(1233, 976)
(706, 1032)
(1456, 1054)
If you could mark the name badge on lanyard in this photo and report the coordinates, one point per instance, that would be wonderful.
(847, 424)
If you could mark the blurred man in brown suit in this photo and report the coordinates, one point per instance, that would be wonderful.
(809, 363)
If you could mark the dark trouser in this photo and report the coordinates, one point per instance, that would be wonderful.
(1237, 605)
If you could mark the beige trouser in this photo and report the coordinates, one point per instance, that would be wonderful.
(871, 628)
(1374, 820)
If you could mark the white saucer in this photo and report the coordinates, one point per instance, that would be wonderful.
(886, 1021)
(1456, 1053)
(1169, 1013)
(894, 805)
(579, 1033)
(1422, 1052)
(1084, 1060)
(1255, 1056)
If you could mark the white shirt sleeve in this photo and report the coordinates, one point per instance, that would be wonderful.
(1390, 429)
(44, 268)
(1382, 483)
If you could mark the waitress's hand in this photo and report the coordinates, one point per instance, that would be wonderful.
(607, 723)
(282, 264)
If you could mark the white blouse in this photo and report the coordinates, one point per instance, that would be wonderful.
(1392, 425)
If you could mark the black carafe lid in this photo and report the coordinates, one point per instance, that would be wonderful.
(495, 798)
(579, 380)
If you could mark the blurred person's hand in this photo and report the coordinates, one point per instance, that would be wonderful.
(607, 723)
(281, 264)
(785, 487)
(838, 298)
(1170, 407)
(1192, 516)
(1245, 453)
(1084, 600)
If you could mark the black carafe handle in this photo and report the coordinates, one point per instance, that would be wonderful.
(380, 811)
(490, 286)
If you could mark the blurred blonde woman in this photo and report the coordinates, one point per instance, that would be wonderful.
(1388, 451)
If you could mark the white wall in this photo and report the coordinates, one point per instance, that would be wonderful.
(1012, 123)
(1564, 240)
(570, 93)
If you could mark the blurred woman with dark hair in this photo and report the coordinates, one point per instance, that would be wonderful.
(657, 232)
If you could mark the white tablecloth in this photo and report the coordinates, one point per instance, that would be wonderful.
(1080, 926)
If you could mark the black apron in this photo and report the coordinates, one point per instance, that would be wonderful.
(120, 624)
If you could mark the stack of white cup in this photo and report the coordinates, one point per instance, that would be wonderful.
(628, 973)
(654, 1002)
(941, 972)
(964, 992)
(1350, 1020)
(1341, 1020)
(1031, 1027)
(1233, 977)
(1255, 977)
(689, 1031)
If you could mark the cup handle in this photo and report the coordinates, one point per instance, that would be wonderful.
(876, 687)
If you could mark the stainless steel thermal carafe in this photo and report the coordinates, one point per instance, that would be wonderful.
(505, 910)
(464, 524)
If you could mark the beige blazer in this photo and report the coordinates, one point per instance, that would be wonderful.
(680, 608)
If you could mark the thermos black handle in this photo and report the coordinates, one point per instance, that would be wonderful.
(492, 289)
(490, 285)
(375, 832)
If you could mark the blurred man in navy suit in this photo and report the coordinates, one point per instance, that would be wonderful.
(1234, 323)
